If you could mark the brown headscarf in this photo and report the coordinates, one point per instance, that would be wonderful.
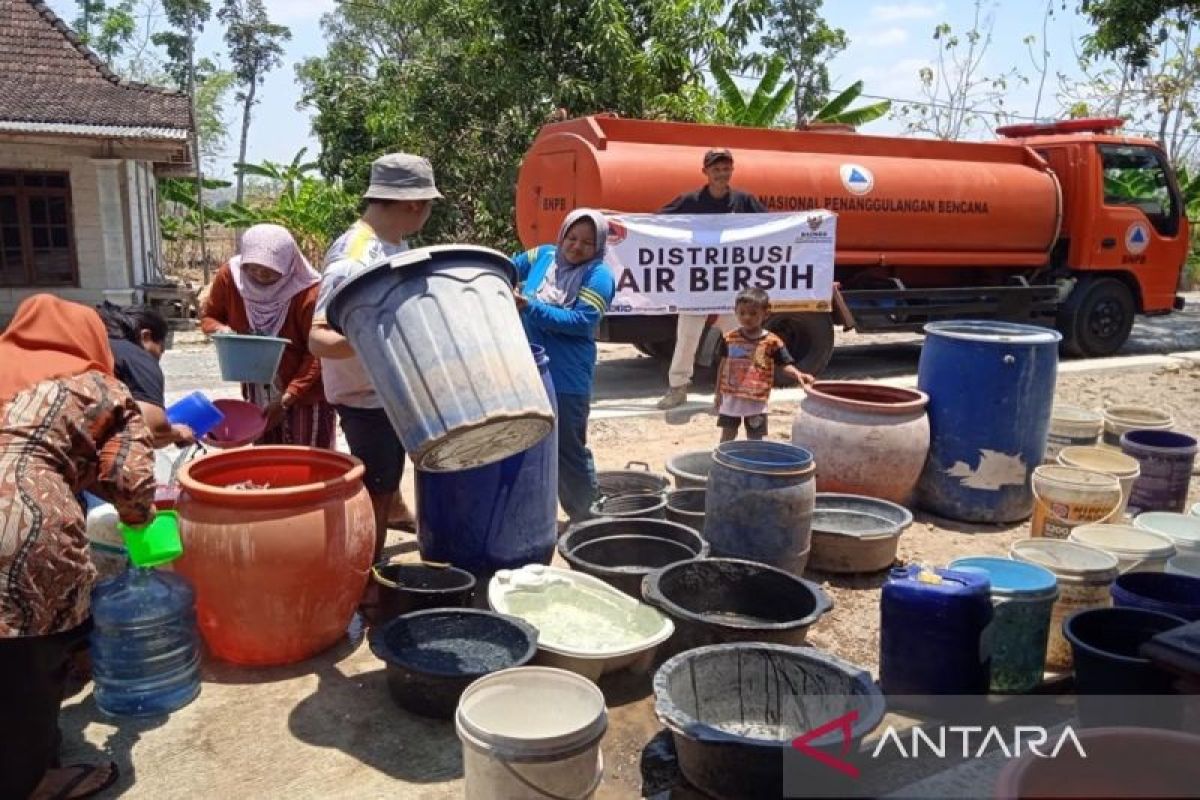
(51, 338)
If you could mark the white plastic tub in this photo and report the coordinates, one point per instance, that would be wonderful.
(584, 625)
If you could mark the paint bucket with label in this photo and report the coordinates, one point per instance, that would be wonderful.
(1071, 426)
(1125, 469)
(1121, 419)
(1066, 497)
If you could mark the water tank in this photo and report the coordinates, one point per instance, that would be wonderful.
(900, 202)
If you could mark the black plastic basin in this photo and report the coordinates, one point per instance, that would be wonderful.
(432, 656)
(718, 600)
(621, 552)
(733, 710)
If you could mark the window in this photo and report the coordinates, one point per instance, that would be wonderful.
(1138, 177)
(36, 245)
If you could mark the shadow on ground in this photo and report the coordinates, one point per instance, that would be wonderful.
(356, 716)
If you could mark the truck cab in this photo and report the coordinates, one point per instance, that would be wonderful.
(1124, 236)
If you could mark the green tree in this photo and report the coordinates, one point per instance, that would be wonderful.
(106, 28)
(187, 18)
(213, 85)
(1159, 99)
(1129, 30)
(468, 84)
(766, 103)
(798, 34)
(837, 109)
(255, 48)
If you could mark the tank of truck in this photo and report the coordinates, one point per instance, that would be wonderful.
(900, 202)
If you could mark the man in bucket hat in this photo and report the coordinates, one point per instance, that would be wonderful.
(398, 202)
(715, 197)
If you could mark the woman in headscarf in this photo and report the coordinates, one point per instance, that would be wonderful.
(563, 293)
(66, 425)
(270, 289)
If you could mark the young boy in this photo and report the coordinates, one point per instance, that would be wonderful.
(747, 370)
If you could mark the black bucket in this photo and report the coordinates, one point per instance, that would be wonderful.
(719, 600)
(432, 656)
(616, 482)
(686, 506)
(1106, 644)
(397, 589)
(632, 505)
(621, 552)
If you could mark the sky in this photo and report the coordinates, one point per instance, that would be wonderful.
(889, 43)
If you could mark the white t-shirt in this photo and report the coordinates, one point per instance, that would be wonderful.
(345, 380)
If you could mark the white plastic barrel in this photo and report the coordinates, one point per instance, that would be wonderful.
(531, 733)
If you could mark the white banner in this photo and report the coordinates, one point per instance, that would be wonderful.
(697, 263)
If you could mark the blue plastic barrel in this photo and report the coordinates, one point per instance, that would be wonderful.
(1023, 598)
(145, 658)
(991, 390)
(759, 503)
(934, 638)
(499, 516)
(197, 412)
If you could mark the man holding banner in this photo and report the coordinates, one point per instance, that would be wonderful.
(716, 197)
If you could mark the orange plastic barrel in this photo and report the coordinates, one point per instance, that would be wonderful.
(277, 542)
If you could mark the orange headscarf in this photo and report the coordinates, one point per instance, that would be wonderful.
(51, 338)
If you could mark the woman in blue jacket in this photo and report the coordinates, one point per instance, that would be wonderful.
(563, 292)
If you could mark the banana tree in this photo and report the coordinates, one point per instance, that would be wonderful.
(766, 103)
(837, 110)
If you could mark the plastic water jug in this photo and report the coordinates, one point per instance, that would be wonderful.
(145, 656)
(934, 632)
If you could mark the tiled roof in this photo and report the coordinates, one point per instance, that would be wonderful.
(93, 131)
(48, 76)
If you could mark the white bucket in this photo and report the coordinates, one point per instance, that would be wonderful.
(1119, 419)
(1136, 550)
(531, 733)
(1184, 565)
(1182, 529)
(1125, 469)
(1066, 497)
(1071, 426)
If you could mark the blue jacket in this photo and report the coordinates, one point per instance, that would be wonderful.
(568, 334)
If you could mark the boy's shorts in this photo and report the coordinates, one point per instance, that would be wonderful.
(373, 440)
(756, 424)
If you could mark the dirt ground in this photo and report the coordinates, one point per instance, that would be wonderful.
(851, 629)
(325, 728)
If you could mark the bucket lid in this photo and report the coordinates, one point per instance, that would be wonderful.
(1182, 529)
(993, 332)
(1074, 414)
(1065, 559)
(1076, 477)
(1124, 540)
(1099, 459)
(1139, 416)
(532, 711)
(1009, 577)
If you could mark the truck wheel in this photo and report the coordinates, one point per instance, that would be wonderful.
(809, 338)
(658, 350)
(1097, 317)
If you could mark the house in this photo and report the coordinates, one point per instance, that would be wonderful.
(80, 150)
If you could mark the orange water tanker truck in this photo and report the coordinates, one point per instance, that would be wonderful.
(1068, 224)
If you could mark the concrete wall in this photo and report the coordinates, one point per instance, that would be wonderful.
(115, 220)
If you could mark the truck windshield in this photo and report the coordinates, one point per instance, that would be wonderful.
(1138, 177)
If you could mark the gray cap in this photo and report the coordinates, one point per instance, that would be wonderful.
(402, 176)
